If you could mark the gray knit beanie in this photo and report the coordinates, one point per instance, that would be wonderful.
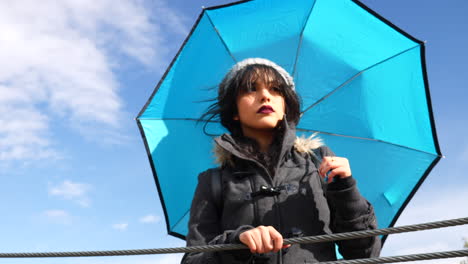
(251, 61)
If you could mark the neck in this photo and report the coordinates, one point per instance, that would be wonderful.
(263, 138)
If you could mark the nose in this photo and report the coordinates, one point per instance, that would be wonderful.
(264, 95)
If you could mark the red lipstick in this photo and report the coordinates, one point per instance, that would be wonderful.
(266, 109)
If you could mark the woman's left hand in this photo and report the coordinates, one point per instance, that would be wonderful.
(334, 166)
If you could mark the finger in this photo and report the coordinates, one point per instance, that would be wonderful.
(328, 163)
(267, 244)
(247, 239)
(345, 165)
(340, 162)
(277, 239)
(334, 173)
(257, 237)
(322, 166)
(342, 172)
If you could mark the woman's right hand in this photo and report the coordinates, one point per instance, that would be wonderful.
(262, 239)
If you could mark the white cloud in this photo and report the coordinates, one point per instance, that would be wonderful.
(77, 192)
(58, 216)
(24, 140)
(150, 219)
(120, 226)
(58, 62)
(170, 19)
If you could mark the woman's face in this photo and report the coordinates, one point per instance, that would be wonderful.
(260, 109)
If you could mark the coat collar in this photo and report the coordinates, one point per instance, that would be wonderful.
(226, 147)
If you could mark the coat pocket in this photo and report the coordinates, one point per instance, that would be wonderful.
(238, 209)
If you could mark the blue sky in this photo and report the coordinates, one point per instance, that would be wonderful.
(74, 171)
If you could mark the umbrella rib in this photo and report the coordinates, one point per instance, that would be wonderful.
(227, 5)
(354, 77)
(222, 40)
(180, 119)
(180, 219)
(301, 38)
(368, 139)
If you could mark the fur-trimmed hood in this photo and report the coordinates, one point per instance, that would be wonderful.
(301, 144)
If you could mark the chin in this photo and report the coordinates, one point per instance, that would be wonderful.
(269, 125)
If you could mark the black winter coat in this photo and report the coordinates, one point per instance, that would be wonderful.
(304, 206)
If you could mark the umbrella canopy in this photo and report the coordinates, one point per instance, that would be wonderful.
(362, 82)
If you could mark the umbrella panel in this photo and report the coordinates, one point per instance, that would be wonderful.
(339, 41)
(182, 141)
(191, 76)
(262, 29)
(376, 67)
(377, 105)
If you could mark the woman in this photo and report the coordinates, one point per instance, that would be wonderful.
(273, 184)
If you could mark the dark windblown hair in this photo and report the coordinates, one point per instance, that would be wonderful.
(225, 107)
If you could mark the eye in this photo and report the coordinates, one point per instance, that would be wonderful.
(275, 89)
(249, 90)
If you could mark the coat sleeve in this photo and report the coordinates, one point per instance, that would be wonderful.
(205, 228)
(350, 211)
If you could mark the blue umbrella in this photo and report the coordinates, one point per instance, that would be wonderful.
(362, 81)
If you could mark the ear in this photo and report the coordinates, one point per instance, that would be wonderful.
(236, 117)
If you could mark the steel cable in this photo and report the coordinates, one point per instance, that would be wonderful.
(211, 248)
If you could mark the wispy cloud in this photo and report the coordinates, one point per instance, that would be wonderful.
(150, 219)
(20, 140)
(170, 19)
(120, 226)
(58, 62)
(58, 216)
(74, 191)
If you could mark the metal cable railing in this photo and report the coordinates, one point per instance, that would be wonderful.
(297, 240)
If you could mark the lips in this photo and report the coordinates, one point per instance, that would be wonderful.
(266, 109)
